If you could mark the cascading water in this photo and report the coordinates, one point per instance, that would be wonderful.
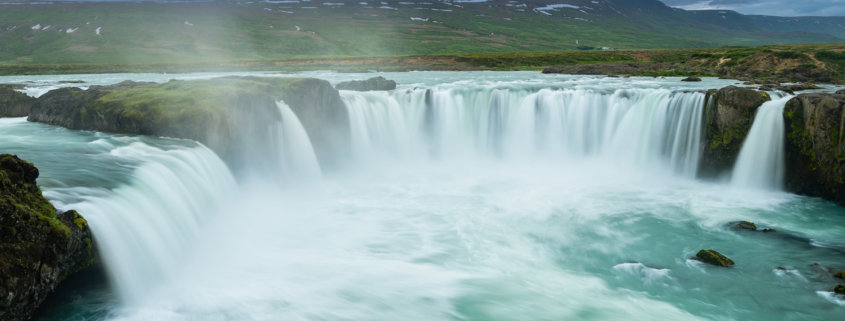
(467, 197)
(644, 127)
(297, 156)
(761, 162)
(145, 228)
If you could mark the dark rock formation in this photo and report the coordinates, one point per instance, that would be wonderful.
(375, 83)
(691, 79)
(728, 117)
(713, 257)
(39, 247)
(791, 89)
(815, 148)
(14, 103)
(839, 275)
(839, 289)
(226, 114)
(745, 225)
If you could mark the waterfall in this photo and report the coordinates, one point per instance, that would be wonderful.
(144, 229)
(761, 163)
(647, 127)
(296, 155)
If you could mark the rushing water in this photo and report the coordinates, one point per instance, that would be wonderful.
(467, 196)
(761, 162)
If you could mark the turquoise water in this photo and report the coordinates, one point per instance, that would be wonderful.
(452, 228)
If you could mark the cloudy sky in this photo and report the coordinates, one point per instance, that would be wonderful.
(768, 7)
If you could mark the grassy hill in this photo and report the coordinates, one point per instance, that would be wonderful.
(236, 31)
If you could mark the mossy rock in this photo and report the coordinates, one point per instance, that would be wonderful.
(840, 274)
(746, 225)
(713, 257)
(728, 117)
(38, 246)
(839, 289)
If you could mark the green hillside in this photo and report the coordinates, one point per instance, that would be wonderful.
(234, 31)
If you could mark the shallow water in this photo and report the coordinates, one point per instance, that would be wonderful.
(456, 230)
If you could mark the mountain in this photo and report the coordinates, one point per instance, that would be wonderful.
(180, 31)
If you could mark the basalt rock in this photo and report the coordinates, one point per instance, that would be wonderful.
(815, 145)
(691, 79)
(728, 117)
(375, 83)
(39, 247)
(713, 257)
(226, 114)
(839, 289)
(14, 103)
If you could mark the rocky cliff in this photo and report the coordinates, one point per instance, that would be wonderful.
(39, 247)
(728, 116)
(14, 103)
(815, 147)
(226, 114)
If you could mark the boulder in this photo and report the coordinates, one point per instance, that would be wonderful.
(39, 247)
(839, 289)
(815, 145)
(745, 225)
(691, 79)
(728, 116)
(14, 103)
(713, 257)
(375, 83)
(840, 275)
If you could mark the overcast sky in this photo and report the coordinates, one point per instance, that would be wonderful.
(768, 7)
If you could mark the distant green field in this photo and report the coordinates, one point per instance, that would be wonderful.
(213, 33)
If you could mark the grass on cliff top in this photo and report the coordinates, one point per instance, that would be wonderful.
(185, 102)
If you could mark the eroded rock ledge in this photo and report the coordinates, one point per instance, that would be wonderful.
(728, 116)
(226, 114)
(39, 247)
(815, 148)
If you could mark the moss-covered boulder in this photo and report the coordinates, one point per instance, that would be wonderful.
(227, 114)
(746, 225)
(39, 247)
(375, 83)
(14, 103)
(815, 145)
(713, 257)
(839, 275)
(728, 117)
(839, 289)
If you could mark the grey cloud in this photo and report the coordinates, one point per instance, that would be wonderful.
(768, 7)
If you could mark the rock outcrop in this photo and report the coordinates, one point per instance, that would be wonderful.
(728, 117)
(226, 114)
(39, 247)
(14, 103)
(375, 83)
(815, 145)
(713, 257)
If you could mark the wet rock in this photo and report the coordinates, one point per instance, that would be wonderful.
(839, 289)
(745, 225)
(728, 117)
(375, 83)
(39, 247)
(713, 257)
(815, 145)
(14, 103)
(691, 79)
(839, 275)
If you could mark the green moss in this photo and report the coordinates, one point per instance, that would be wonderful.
(714, 257)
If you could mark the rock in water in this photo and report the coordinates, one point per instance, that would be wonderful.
(14, 103)
(728, 117)
(375, 83)
(745, 225)
(815, 145)
(713, 257)
(839, 289)
(38, 246)
(691, 79)
(840, 274)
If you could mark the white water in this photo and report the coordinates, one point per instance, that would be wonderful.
(761, 161)
(645, 128)
(496, 199)
(145, 228)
